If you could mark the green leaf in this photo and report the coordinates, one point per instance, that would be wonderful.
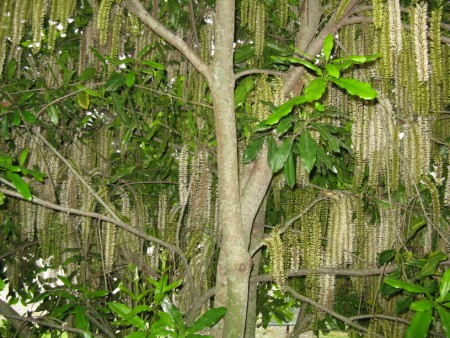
(308, 150)
(386, 256)
(153, 64)
(83, 100)
(284, 109)
(333, 71)
(444, 286)
(430, 264)
(114, 82)
(319, 106)
(53, 114)
(81, 321)
(356, 87)
(445, 319)
(420, 325)
(304, 63)
(244, 52)
(403, 304)
(11, 68)
(137, 334)
(277, 156)
(87, 74)
(172, 286)
(28, 116)
(65, 281)
(130, 79)
(2, 201)
(322, 157)
(422, 305)
(136, 310)
(315, 90)
(289, 170)
(21, 186)
(208, 319)
(122, 310)
(398, 284)
(243, 88)
(328, 44)
(253, 149)
(284, 125)
(2, 284)
(23, 156)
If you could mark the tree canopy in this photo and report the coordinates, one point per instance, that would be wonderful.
(177, 168)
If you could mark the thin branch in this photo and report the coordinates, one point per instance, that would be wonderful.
(18, 248)
(330, 271)
(44, 323)
(194, 25)
(22, 328)
(332, 313)
(117, 222)
(135, 7)
(392, 318)
(258, 71)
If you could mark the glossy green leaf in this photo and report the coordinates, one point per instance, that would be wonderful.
(308, 150)
(122, 310)
(419, 325)
(430, 264)
(21, 186)
(137, 334)
(403, 304)
(315, 90)
(445, 319)
(114, 82)
(289, 170)
(2, 201)
(2, 284)
(328, 44)
(53, 114)
(332, 70)
(444, 286)
(243, 88)
(23, 156)
(386, 256)
(304, 63)
(252, 150)
(153, 64)
(356, 87)
(284, 110)
(362, 58)
(208, 319)
(319, 106)
(28, 116)
(137, 310)
(130, 79)
(284, 125)
(81, 322)
(172, 286)
(244, 52)
(422, 305)
(399, 284)
(277, 156)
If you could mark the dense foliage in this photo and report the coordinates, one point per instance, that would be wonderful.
(118, 181)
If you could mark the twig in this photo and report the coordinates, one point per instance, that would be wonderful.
(258, 71)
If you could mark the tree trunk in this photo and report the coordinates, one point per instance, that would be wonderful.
(233, 270)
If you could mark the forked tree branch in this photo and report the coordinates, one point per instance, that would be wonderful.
(136, 8)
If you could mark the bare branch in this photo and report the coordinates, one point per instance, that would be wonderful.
(136, 8)
(332, 313)
(18, 248)
(330, 271)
